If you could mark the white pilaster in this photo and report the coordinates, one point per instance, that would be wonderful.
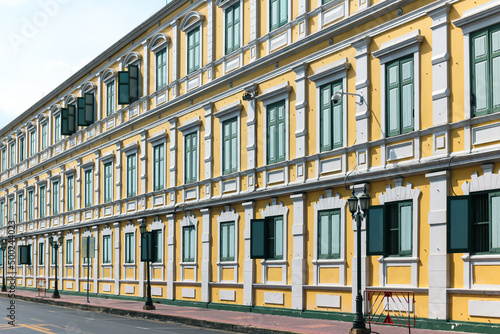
(299, 258)
(248, 266)
(175, 57)
(144, 168)
(208, 147)
(145, 72)
(118, 179)
(210, 39)
(173, 157)
(205, 256)
(171, 256)
(300, 117)
(362, 87)
(95, 269)
(254, 29)
(117, 265)
(251, 138)
(97, 184)
(99, 100)
(438, 262)
(76, 237)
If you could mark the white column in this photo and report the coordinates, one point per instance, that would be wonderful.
(205, 256)
(299, 258)
(208, 147)
(173, 158)
(118, 177)
(60, 263)
(95, 269)
(97, 173)
(99, 99)
(34, 260)
(438, 262)
(141, 266)
(251, 139)
(117, 263)
(171, 256)
(302, 18)
(144, 168)
(248, 265)
(76, 233)
(175, 57)
(254, 29)
(145, 71)
(210, 39)
(300, 118)
(78, 187)
(47, 260)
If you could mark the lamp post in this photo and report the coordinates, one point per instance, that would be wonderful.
(55, 244)
(358, 325)
(146, 236)
(3, 247)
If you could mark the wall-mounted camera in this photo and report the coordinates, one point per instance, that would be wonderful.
(249, 95)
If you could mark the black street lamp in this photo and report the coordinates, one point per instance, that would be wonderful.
(147, 236)
(3, 247)
(55, 244)
(358, 325)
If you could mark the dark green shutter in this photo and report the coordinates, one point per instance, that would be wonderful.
(24, 255)
(133, 83)
(479, 73)
(81, 111)
(64, 122)
(89, 108)
(375, 229)
(459, 225)
(123, 87)
(71, 119)
(148, 245)
(259, 247)
(326, 118)
(393, 99)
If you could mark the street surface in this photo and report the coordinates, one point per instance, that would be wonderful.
(34, 318)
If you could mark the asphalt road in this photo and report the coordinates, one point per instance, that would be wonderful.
(41, 318)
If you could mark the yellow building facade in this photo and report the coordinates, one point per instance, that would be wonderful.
(212, 114)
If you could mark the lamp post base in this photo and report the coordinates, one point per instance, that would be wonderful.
(359, 331)
(4, 288)
(149, 307)
(55, 296)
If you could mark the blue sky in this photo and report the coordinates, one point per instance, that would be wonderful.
(43, 42)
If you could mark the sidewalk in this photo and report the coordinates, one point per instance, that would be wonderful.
(245, 322)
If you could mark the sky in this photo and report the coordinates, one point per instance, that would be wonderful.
(44, 42)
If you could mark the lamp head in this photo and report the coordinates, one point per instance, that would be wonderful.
(60, 239)
(51, 239)
(364, 200)
(353, 203)
(142, 226)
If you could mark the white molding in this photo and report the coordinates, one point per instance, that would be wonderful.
(331, 72)
(191, 20)
(479, 17)
(189, 220)
(400, 46)
(228, 215)
(190, 125)
(229, 111)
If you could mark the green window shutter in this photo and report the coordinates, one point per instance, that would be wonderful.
(158, 167)
(326, 118)
(25, 255)
(459, 225)
(406, 228)
(274, 14)
(80, 102)
(393, 95)
(123, 87)
(480, 72)
(64, 122)
(236, 26)
(161, 75)
(375, 229)
(188, 243)
(407, 94)
(157, 246)
(283, 12)
(259, 246)
(227, 241)
(110, 98)
(71, 119)
(337, 118)
(133, 83)
(55, 198)
(41, 254)
(495, 68)
(193, 50)
(230, 146)
(494, 208)
(272, 142)
(278, 238)
(146, 243)
(281, 132)
(191, 149)
(229, 30)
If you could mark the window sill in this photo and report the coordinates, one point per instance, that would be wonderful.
(328, 261)
(398, 259)
(274, 262)
(227, 263)
(481, 258)
(187, 264)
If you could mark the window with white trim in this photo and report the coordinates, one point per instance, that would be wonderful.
(106, 249)
(188, 242)
(233, 28)
(276, 132)
(2, 214)
(108, 182)
(21, 149)
(44, 136)
(69, 251)
(55, 197)
(57, 129)
(42, 202)
(31, 205)
(12, 149)
(41, 253)
(132, 175)
(32, 143)
(193, 50)
(227, 238)
(129, 248)
(161, 68)
(4, 159)
(191, 157)
(230, 145)
(89, 193)
(110, 98)
(20, 208)
(159, 167)
(11, 209)
(70, 195)
(278, 13)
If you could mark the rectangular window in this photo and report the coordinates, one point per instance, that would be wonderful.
(53, 256)
(233, 28)
(21, 149)
(276, 135)
(11, 209)
(32, 143)
(41, 254)
(161, 69)
(12, 155)
(266, 240)
(329, 234)
(129, 248)
(194, 53)
(88, 188)
(20, 208)
(106, 249)
(57, 129)
(69, 251)
(44, 136)
(485, 71)
(42, 202)
(279, 13)
(4, 159)
(188, 240)
(70, 196)
(110, 98)
(30, 205)
(157, 244)
(331, 122)
(108, 182)
(2, 214)
(131, 175)
(227, 237)
(191, 157)
(159, 167)
(400, 96)
(275, 232)
(230, 146)
(55, 198)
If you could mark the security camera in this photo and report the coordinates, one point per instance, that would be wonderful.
(336, 97)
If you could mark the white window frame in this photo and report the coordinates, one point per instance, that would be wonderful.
(224, 5)
(394, 49)
(156, 139)
(227, 216)
(188, 127)
(193, 20)
(225, 113)
(130, 228)
(268, 20)
(69, 173)
(108, 158)
(158, 225)
(159, 43)
(107, 231)
(108, 77)
(189, 220)
(132, 148)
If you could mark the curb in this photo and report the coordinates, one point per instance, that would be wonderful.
(154, 316)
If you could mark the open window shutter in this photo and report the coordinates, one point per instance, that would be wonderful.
(326, 118)
(480, 73)
(258, 239)
(375, 228)
(283, 11)
(494, 213)
(459, 225)
(64, 122)
(133, 83)
(123, 87)
(89, 108)
(153, 246)
(274, 14)
(392, 104)
(495, 68)
(71, 119)
(81, 111)
(338, 124)
(24, 255)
